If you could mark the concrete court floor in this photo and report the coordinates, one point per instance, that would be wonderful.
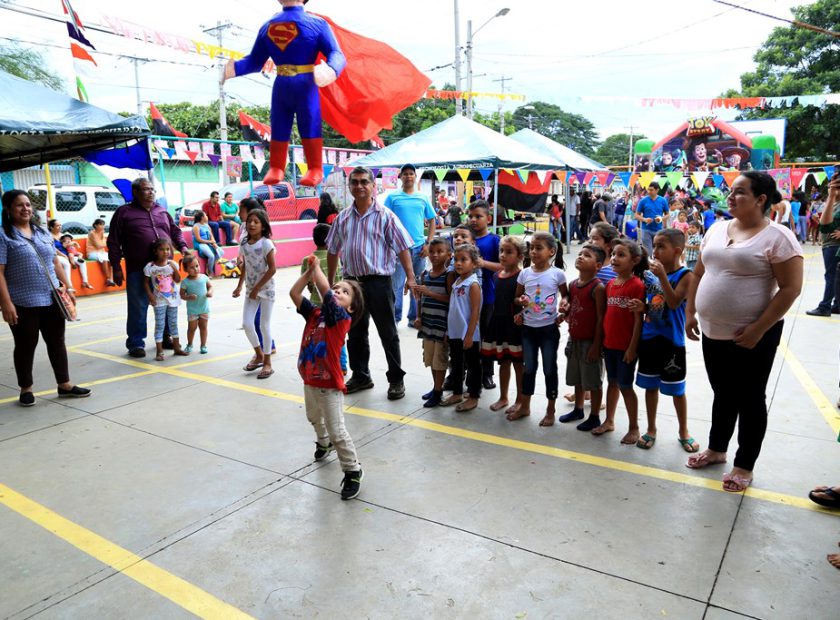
(188, 487)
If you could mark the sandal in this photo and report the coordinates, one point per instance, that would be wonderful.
(462, 407)
(733, 483)
(645, 442)
(252, 366)
(266, 373)
(699, 461)
(159, 357)
(452, 400)
(832, 499)
(689, 445)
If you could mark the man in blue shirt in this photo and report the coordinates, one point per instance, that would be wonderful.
(708, 216)
(652, 211)
(414, 211)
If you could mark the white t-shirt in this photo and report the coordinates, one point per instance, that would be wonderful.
(738, 282)
(254, 255)
(783, 216)
(166, 290)
(542, 289)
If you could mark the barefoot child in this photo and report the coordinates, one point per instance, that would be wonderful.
(161, 284)
(585, 316)
(622, 330)
(662, 347)
(488, 246)
(502, 340)
(537, 293)
(432, 311)
(323, 382)
(463, 331)
(196, 290)
(258, 269)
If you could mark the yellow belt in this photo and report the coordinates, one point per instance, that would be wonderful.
(290, 70)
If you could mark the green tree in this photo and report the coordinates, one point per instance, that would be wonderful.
(615, 149)
(797, 61)
(28, 64)
(572, 130)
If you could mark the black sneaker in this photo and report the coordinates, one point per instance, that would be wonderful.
(27, 399)
(488, 383)
(352, 484)
(396, 391)
(321, 452)
(357, 385)
(818, 312)
(138, 352)
(589, 423)
(74, 392)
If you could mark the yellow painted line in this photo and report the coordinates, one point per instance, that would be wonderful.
(87, 343)
(181, 592)
(208, 360)
(824, 319)
(52, 392)
(579, 457)
(824, 405)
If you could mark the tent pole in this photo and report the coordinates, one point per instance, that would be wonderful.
(495, 201)
(162, 176)
(568, 195)
(50, 197)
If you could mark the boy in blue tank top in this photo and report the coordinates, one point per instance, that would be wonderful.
(662, 347)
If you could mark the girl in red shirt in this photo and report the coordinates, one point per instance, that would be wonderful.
(622, 331)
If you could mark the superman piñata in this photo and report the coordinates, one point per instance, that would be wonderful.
(293, 39)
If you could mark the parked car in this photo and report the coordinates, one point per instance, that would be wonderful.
(77, 206)
(281, 201)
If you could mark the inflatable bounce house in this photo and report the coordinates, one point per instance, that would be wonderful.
(706, 144)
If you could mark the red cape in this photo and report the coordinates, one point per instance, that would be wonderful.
(377, 83)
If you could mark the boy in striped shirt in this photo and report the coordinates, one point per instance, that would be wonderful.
(433, 308)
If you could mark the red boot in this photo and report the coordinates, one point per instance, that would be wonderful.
(278, 155)
(313, 149)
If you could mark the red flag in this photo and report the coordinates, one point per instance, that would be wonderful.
(160, 126)
(377, 83)
(796, 176)
(530, 196)
(253, 130)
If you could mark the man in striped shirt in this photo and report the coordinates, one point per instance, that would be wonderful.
(369, 239)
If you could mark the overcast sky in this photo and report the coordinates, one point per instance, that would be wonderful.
(553, 50)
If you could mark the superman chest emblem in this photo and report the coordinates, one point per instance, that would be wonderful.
(283, 33)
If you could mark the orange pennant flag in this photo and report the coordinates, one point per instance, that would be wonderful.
(730, 176)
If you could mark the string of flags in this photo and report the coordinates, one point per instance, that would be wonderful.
(717, 103)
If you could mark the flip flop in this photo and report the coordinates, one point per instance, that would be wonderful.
(738, 483)
(252, 366)
(700, 461)
(462, 408)
(265, 374)
(646, 442)
(689, 445)
(832, 501)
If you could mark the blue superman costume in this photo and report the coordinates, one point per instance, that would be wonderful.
(377, 83)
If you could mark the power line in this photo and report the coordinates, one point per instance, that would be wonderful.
(792, 22)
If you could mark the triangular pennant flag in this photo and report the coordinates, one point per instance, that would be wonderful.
(610, 179)
(588, 178)
(633, 179)
(820, 177)
(375, 172)
(699, 179)
(674, 178)
(485, 173)
(522, 174)
(560, 175)
(440, 173)
(797, 175)
(602, 176)
(328, 168)
(829, 171)
(259, 163)
(717, 179)
(170, 153)
(347, 170)
(193, 155)
(730, 176)
(207, 148)
(646, 179)
(214, 159)
(245, 152)
(625, 177)
(303, 167)
(508, 170)
(463, 173)
(259, 152)
(541, 175)
(581, 177)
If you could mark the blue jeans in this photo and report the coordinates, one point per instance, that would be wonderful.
(138, 307)
(536, 341)
(830, 261)
(398, 279)
(224, 225)
(163, 315)
(802, 227)
(212, 255)
(647, 240)
(574, 229)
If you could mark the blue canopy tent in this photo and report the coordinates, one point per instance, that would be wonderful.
(39, 125)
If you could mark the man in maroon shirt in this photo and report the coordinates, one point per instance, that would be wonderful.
(134, 228)
(213, 209)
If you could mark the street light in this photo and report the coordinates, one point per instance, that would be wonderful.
(530, 117)
(470, 35)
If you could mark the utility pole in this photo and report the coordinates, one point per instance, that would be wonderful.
(459, 104)
(219, 32)
(469, 69)
(630, 149)
(502, 79)
(136, 62)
